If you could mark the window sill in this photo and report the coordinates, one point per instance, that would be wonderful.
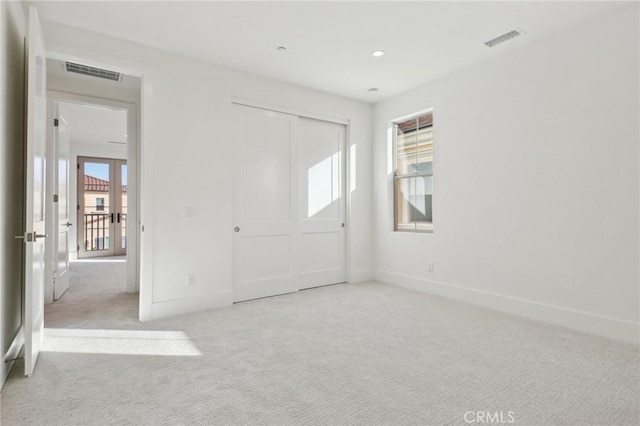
(413, 230)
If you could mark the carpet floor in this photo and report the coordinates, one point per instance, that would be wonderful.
(356, 354)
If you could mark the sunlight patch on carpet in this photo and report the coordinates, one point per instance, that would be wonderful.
(118, 342)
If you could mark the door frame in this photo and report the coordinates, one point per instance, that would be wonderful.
(348, 161)
(55, 97)
(115, 181)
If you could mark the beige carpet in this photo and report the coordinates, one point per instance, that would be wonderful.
(96, 297)
(363, 354)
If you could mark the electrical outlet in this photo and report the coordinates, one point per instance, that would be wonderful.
(430, 267)
(191, 279)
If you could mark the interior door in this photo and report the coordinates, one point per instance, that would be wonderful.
(35, 164)
(265, 192)
(63, 222)
(321, 245)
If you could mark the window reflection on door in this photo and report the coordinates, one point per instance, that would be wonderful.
(102, 202)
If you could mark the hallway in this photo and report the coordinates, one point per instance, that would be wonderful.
(96, 297)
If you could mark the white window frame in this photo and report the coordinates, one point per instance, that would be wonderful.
(397, 177)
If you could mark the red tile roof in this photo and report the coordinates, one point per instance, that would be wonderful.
(416, 123)
(94, 184)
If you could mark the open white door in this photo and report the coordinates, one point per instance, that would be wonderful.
(62, 221)
(35, 176)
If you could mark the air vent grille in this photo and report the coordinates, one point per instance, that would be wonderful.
(92, 71)
(502, 38)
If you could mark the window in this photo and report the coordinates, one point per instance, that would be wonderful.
(413, 178)
(100, 204)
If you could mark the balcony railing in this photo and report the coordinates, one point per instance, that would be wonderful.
(96, 231)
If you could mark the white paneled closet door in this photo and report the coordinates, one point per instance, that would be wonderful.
(321, 238)
(265, 204)
(289, 203)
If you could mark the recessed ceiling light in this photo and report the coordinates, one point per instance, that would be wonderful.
(373, 89)
(281, 49)
(377, 53)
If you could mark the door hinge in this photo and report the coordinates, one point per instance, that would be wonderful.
(78, 248)
(55, 198)
(78, 207)
(78, 166)
(55, 122)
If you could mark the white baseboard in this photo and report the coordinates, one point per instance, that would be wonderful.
(612, 328)
(190, 305)
(360, 276)
(12, 353)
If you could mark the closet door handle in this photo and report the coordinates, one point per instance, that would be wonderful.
(118, 217)
(111, 217)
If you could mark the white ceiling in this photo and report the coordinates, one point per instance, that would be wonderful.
(329, 43)
(92, 124)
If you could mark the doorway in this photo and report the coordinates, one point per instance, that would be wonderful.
(94, 176)
(102, 207)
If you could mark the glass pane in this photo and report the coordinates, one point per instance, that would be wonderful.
(403, 210)
(414, 203)
(406, 142)
(123, 216)
(97, 210)
(425, 147)
(421, 212)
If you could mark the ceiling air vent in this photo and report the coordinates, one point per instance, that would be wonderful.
(502, 38)
(92, 71)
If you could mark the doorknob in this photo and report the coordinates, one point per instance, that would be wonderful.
(68, 224)
(342, 225)
(30, 237)
(236, 229)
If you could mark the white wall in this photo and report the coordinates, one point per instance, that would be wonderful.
(12, 56)
(185, 162)
(536, 182)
